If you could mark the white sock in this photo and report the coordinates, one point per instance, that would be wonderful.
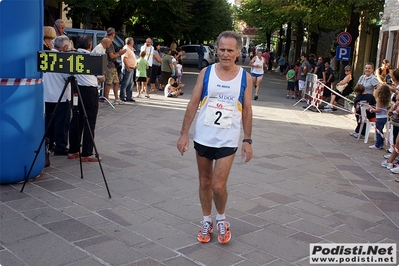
(220, 217)
(208, 218)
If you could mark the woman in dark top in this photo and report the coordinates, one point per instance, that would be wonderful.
(347, 83)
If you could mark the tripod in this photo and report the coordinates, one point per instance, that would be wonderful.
(77, 98)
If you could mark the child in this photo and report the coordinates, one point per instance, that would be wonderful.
(142, 66)
(171, 90)
(383, 97)
(179, 68)
(290, 78)
(362, 98)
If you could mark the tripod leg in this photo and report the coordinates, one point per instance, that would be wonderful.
(88, 127)
(45, 132)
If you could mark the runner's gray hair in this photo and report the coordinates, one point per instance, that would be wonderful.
(230, 34)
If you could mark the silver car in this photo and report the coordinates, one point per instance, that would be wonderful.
(191, 55)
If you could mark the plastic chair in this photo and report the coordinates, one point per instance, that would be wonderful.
(364, 120)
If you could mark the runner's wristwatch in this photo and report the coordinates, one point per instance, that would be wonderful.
(247, 140)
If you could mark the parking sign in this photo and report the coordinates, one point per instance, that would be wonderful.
(343, 53)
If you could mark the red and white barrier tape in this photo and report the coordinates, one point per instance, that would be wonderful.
(19, 81)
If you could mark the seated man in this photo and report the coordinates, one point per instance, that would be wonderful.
(173, 89)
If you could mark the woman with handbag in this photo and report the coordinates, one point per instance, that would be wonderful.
(344, 87)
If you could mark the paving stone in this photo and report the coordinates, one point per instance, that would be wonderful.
(72, 230)
(278, 217)
(215, 255)
(105, 248)
(259, 257)
(50, 247)
(310, 227)
(279, 198)
(14, 230)
(155, 251)
(7, 213)
(46, 215)
(10, 194)
(277, 245)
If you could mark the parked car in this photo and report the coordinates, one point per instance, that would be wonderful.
(191, 55)
(97, 36)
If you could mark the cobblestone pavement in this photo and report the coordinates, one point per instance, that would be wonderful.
(309, 182)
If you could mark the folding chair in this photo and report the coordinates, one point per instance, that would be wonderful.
(365, 120)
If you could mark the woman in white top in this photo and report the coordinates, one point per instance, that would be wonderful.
(257, 64)
(368, 80)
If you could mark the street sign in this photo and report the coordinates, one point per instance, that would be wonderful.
(342, 53)
(344, 38)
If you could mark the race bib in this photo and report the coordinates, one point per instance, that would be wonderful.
(219, 111)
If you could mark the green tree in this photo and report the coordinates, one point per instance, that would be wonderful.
(170, 20)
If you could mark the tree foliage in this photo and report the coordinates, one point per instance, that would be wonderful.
(308, 17)
(170, 20)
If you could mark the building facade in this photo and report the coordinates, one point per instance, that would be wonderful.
(389, 37)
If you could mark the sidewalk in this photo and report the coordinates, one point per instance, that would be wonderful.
(309, 182)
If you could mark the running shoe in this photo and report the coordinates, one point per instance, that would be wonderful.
(224, 235)
(256, 97)
(386, 164)
(395, 170)
(204, 235)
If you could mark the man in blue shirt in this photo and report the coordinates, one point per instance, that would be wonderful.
(201, 52)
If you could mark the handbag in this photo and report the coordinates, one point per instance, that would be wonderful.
(341, 88)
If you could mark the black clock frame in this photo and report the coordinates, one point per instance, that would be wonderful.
(71, 62)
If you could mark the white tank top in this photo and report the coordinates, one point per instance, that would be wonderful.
(258, 62)
(219, 120)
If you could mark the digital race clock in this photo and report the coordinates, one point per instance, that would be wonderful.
(72, 62)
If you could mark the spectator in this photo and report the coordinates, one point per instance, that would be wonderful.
(362, 98)
(383, 97)
(266, 56)
(383, 71)
(243, 54)
(128, 71)
(393, 113)
(111, 74)
(156, 67)
(290, 77)
(171, 90)
(166, 68)
(49, 35)
(101, 48)
(333, 62)
(80, 124)
(142, 66)
(149, 52)
(59, 26)
(179, 69)
(296, 68)
(347, 88)
(328, 79)
(368, 80)
(282, 61)
(303, 72)
(53, 84)
(320, 68)
(201, 53)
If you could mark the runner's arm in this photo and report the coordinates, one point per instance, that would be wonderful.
(191, 111)
(246, 149)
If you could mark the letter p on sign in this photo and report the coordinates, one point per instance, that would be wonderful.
(343, 53)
